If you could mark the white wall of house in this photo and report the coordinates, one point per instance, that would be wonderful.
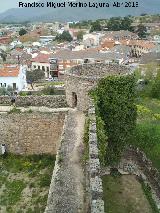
(93, 37)
(19, 80)
(42, 66)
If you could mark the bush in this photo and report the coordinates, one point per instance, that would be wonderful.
(48, 91)
(155, 91)
(23, 93)
(115, 97)
(102, 139)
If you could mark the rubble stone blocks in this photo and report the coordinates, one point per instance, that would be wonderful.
(93, 138)
(93, 150)
(97, 206)
(96, 190)
(96, 187)
(92, 128)
(51, 101)
(94, 165)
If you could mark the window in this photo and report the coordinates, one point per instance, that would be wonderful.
(34, 66)
(1, 84)
(43, 68)
(47, 68)
(14, 86)
(4, 84)
(39, 68)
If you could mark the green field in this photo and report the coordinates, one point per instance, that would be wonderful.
(124, 194)
(24, 183)
(147, 134)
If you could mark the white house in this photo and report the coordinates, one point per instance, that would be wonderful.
(91, 39)
(14, 76)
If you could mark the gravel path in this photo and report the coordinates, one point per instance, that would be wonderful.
(67, 191)
(33, 108)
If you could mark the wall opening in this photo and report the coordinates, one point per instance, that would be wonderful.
(74, 99)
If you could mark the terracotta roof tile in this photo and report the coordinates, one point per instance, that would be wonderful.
(42, 58)
(9, 70)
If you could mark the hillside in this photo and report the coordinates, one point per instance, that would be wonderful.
(75, 14)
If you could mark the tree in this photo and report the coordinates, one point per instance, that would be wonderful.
(114, 24)
(80, 35)
(65, 36)
(115, 101)
(3, 55)
(119, 23)
(126, 23)
(141, 31)
(95, 26)
(33, 76)
(22, 32)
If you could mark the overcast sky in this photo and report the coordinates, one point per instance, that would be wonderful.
(7, 4)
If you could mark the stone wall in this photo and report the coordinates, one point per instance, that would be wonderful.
(98, 70)
(135, 161)
(81, 79)
(31, 133)
(81, 88)
(52, 101)
(96, 190)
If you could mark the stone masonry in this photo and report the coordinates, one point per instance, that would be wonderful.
(79, 80)
(31, 133)
(96, 190)
(52, 101)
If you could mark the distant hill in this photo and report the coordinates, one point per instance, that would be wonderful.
(76, 14)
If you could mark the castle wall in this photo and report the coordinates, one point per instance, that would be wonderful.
(81, 79)
(52, 101)
(31, 133)
(81, 88)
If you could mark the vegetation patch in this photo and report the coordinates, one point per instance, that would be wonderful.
(147, 132)
(24, 182)
(14, 110)
(115, 105)
(148, 193)
(86, 140)
(124, 194)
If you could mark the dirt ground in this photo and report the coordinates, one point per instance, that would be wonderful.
(124, 194)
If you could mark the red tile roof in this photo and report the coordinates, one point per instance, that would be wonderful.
(9, 70)
(42, 58)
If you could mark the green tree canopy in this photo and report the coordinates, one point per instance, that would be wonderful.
(141, 31)
(65, 36)
(33, 76)
(22, 32)
(118, 23)
(95, 26)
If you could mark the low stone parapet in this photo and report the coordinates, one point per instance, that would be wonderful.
(52, 101)
(96, 189)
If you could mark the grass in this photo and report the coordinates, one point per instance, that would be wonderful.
(24, 182)
(148, 194)
(52, 83)
(14, 110)
(147, 133)
(12, 193)
(124, 194)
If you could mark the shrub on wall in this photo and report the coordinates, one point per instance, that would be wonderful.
(115, 96)
(102, 140)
